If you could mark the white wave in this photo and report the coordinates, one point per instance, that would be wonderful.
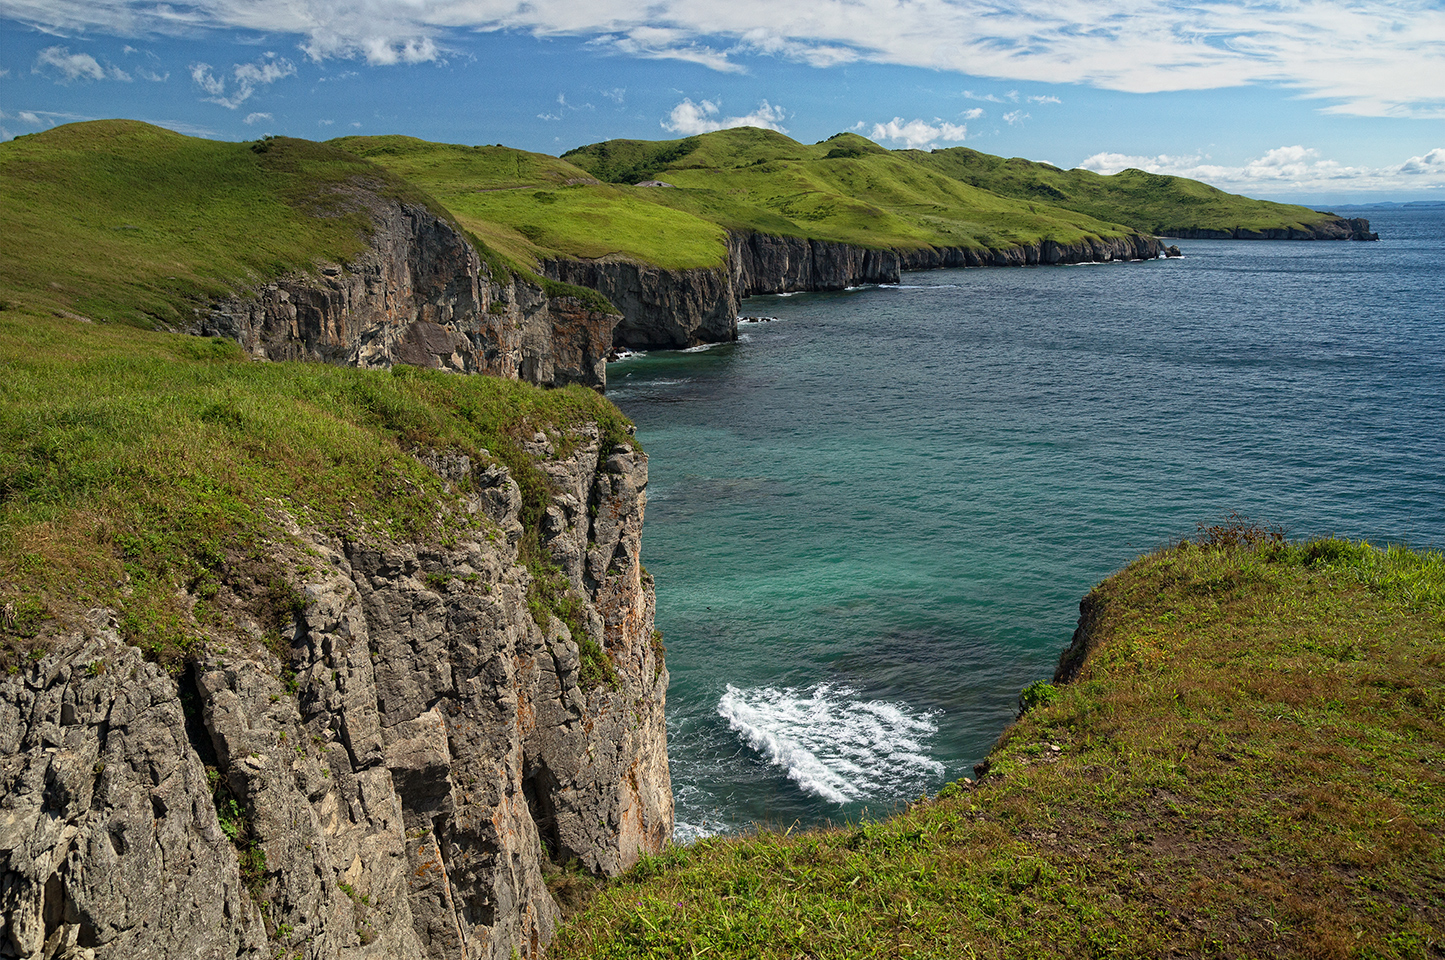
(700, 348)
(832, 744)
(622, 353)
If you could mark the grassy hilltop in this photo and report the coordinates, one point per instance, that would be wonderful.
(1248, 765)
(120, 220)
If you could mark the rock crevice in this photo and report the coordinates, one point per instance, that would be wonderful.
(397, 783)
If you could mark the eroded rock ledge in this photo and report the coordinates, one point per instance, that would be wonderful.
(396, 784)
(419, 294)
(671, 309)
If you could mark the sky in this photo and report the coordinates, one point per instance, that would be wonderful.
(1322, 101)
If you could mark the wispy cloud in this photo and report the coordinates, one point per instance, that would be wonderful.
(245, 78)
(254, 118)
(1015, 117)
(920, 134)
(1373, 57)
(1292, 169)
(974, 113)
(688, 118)
(68, 67)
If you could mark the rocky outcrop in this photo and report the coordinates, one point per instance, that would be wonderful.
(397, 783)
(1339, 228)
(672, 309)
(418, 294)
(1047, 252)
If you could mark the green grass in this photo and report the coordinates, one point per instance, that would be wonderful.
(531, 207)
(1248, 765)
(120, 220)
(1155, 203)
(146, 471)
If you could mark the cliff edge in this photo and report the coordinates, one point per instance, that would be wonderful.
(320, 676)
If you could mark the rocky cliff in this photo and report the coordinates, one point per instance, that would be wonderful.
(419, 294)
(1340, 228)
(391, 767)
(671, 309)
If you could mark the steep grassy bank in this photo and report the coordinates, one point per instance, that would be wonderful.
(1247, 764)
(142, 471)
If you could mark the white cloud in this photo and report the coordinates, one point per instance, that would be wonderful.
(1044, 99)
(688, 118)
(4, 71)
(919, 134)
(974, 114)
(252, 118)
(1372, 57)
(1286, 170)
(75, 66)
(247, 77)
(1015, 117)
(617, 95)
(989, 97)
(29, 116)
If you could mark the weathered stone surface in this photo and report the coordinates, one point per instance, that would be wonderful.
(672, 309)
(406, 770)
(420, 295)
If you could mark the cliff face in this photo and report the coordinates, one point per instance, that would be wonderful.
(419, 294)
(1340, 228)
(398, 783)
(671, 309)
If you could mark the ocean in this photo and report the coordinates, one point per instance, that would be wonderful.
(872, 518)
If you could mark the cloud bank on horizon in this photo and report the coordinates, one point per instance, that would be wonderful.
(1366, 57)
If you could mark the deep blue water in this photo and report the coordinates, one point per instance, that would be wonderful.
(871, 520)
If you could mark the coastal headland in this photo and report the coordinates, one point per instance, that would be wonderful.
(351, 653)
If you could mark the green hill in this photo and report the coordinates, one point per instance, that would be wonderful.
(120, 220)
(1151, 202)
(1248, 765)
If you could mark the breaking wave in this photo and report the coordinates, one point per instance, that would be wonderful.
(834, 745)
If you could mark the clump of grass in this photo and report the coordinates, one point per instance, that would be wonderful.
(1247, 765)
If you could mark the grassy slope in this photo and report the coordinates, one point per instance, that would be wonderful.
(1147, 201)
(531, 206)
(137, 468)
(846, 189)
(119, 220)
(1249, 765)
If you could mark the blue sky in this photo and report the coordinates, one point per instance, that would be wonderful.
(1316, 100)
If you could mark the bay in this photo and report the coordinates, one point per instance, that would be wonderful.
(871, 519)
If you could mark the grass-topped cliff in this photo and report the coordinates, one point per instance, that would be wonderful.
(143, 471)
(120, 220)
(1247, 764)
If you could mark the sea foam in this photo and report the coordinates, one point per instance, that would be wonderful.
(833, 744)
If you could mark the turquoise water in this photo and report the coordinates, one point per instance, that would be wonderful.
(872, 518)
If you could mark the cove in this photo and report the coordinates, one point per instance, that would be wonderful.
(871, 519)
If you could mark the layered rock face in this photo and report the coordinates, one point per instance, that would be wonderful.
(1340, 228)
(671, 309)
(397, 784)
(419, 294)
